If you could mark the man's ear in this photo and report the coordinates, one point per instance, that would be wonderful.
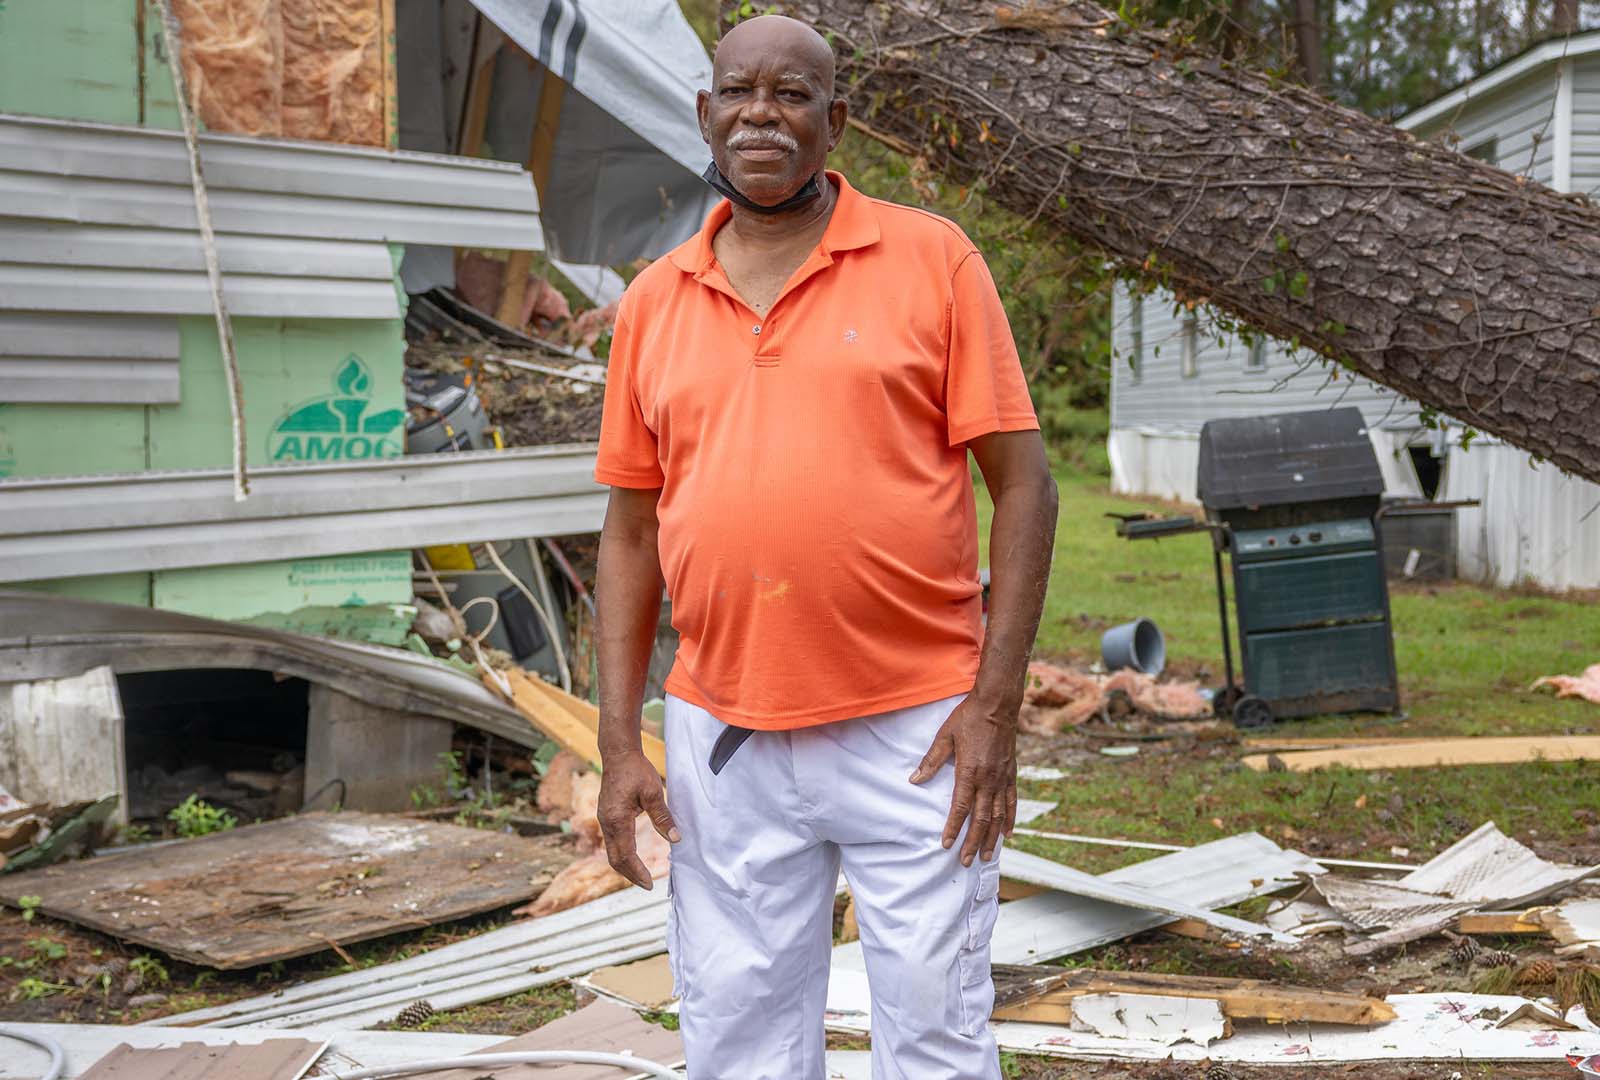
(838, 114)
(702, 111)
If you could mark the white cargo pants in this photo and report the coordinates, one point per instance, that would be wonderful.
(753, 882)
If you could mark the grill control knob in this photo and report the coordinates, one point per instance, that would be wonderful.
(1315, 538)
(1294, 538)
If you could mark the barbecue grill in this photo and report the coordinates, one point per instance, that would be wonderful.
(1293, 501)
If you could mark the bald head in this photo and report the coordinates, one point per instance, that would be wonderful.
(777, 35)
(770, 116)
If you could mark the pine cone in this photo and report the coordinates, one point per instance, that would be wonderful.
(1220, 1072)
(1493, 958)
(1463, 949)
(414, 1014)
(1536, 972)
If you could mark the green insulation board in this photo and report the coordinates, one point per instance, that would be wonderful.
(93, 60)
(314, 390)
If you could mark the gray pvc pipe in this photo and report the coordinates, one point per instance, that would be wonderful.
(58, 1056)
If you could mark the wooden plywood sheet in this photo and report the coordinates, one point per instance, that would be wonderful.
(291, 887)
(599, 1026)
(1435, 752)
(275, 1059)
(643, 984)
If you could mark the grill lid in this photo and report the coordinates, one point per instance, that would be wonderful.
(1287, 458)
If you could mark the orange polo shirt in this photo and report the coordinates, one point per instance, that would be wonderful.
(818, 534)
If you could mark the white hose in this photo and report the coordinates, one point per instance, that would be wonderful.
(636, 1066)
(58, 1056)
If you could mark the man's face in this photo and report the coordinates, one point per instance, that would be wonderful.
(769, 116)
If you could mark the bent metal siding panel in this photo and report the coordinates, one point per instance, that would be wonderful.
(62, 527)
(98, 220)
(101, 359)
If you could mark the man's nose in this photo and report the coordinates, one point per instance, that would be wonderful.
(762, 109)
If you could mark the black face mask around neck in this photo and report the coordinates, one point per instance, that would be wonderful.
(724, 187)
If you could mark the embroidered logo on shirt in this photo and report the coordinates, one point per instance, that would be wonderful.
(850, 337)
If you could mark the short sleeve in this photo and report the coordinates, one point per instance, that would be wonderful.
(628, 454)
(985, 390)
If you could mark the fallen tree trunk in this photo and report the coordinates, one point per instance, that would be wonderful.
(1472, 291)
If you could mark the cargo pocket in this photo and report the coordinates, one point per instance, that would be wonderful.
(977, 985)
(674, 962)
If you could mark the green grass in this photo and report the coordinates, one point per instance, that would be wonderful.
(1466, 656)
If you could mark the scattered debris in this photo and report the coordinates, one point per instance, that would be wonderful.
(1040, 773)
(1585, 686)
(1032, 810)
(267, 1060)
(1427, 1027)
(1473, 750)
(1051, 995)
(1576, 927)
(41, 836)
(1058, 698)
(1504, 923)
(1484, 869)
(287, 888)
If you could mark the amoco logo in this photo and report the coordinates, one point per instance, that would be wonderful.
(338, 427)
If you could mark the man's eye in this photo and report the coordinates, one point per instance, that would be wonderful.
(730, 90)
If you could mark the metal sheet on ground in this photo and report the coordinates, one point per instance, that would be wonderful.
(287, 888)
(626, 925)
(275, 1059)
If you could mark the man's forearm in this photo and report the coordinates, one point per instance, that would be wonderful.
(1021, 539)
(628, 603)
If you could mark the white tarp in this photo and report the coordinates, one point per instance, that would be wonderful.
(625, 180)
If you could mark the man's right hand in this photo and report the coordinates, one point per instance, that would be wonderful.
(630, 786)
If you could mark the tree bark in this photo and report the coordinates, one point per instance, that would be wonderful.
(1308, 42)
(1469, 290)
(1565, 17)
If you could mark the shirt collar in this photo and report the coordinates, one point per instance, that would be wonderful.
(854, 224)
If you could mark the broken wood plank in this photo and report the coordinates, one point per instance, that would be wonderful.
(1503, 922)
(1328, 742)
(1045, 995)
(291, 887)
(569, 720)
(1016, 890)
(1440, 752)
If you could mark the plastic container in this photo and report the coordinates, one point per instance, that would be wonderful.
(1137, 645)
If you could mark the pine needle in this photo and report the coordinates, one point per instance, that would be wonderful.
(1579, 985)
(1496, 980)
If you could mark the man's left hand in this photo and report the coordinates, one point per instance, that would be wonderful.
(983, 740)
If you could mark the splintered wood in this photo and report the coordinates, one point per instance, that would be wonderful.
(1044, 995)
(296, 69)
(287, 888)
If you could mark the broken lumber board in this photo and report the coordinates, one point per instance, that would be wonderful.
(1330, 742)
(1441, 752)
(290, 887)
(569, 720)
(1030, 994)
(1503, 922)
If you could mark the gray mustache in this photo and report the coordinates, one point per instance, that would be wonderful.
(762, 140)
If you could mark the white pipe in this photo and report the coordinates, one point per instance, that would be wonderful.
(1073, 838)
(636, 1066)
(58, 1056)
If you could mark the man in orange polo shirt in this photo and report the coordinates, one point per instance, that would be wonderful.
(791, 399)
